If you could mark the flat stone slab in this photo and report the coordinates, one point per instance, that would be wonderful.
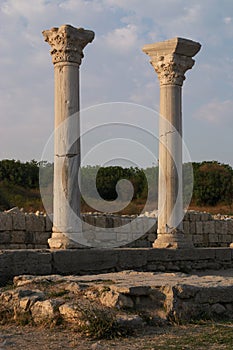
(96, 261)
(210, 278)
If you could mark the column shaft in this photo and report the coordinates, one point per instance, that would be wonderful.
(171, 59)
(170, 159)
(66, 153)
(67, 45)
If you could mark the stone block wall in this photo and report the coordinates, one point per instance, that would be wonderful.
(19, 230)
(206, 231)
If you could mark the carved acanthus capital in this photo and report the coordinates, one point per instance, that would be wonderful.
(172, 58)
(171, 68)
(67, 43)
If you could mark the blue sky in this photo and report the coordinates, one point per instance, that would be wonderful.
(115, 68)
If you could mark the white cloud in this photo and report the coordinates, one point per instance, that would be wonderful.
(216, 112)
(227, 20)
(122, 39)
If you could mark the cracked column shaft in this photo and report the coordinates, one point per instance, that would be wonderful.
(67, 44)
(171, 59)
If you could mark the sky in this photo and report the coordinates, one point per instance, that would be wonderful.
(114, 68)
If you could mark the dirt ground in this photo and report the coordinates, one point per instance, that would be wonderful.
(202, 336)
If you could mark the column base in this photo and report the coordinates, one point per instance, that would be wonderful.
(173, 240)
(62, 241)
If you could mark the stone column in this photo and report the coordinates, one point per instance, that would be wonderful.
(67, 44)
(171, 59)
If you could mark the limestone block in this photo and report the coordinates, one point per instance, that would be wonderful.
(199, 227)
(109, 221)
(90, 219)
(43, 311)
(222, 227)
(206, 217)
(197, 239)
(4, 246)
(145, 223)
(86, 226)
(106, 236)
(117, 221)
(126, 225)
(5, 237)
(224, 238)
(17, 246)
(5, 222)
(223, 254)
(218, 226)
(141, 244)
(186, 291)
(18, 237)
(194, 216)
(136, 236)
(152, 237)
(72, 287)
(136, 226)
(213, 295)
(35, 222)
(101, 221)
(186, 216)
(186, 227)
(41, 246)
(123, 237)
(30, 246)
(140, 225)
(70, 312)
(152, 223)
(230, 227)
(192, 227)
(48, 224)
(209, 227)
(41, 237)
(89, 235)
(74, 261)
(128, 258)
(213, 238)
(197, 216)
(27, 298)
(218, 309)
(114, 299)
(18, 221)
(124, 221)
(133, 226)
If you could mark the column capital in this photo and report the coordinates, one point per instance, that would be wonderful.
(172, 58)
(67, 43)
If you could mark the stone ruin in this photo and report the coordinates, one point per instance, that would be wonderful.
(19, 230)
(171, 284)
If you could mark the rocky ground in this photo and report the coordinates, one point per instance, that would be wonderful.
(211, 336)
(139, 310)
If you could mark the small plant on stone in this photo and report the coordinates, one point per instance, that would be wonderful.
(57, 293)
(99, 322)
(23, 318)
(6, 315)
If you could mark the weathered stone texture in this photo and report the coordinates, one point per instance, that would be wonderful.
(162, 296)
(28, 231)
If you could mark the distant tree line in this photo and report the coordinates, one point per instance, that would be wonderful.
(18, 173)
(213, 182)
